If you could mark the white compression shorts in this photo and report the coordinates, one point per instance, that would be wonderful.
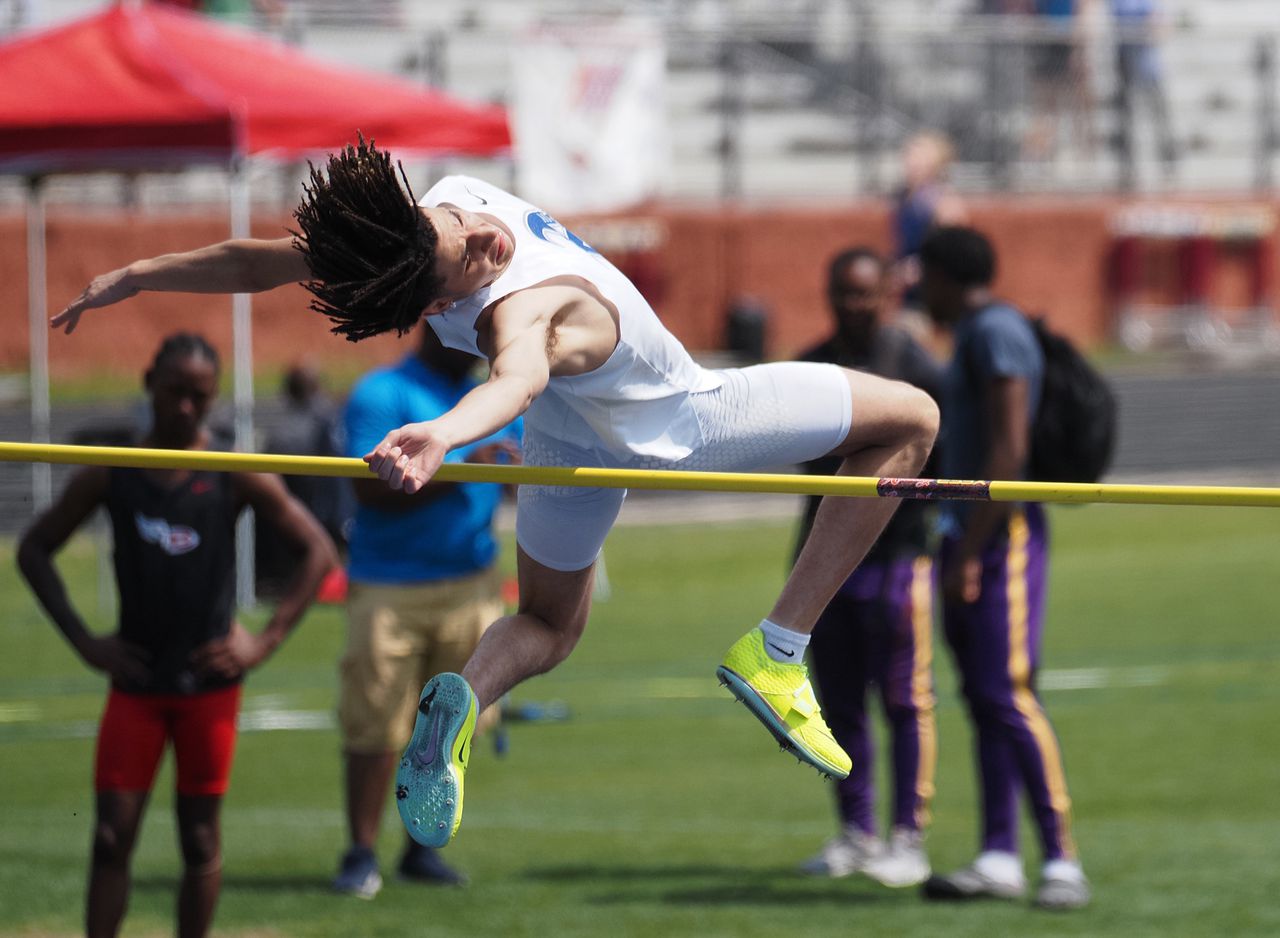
(761, 417)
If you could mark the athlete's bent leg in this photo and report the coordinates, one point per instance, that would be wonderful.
(552, 616)
(891, 433)
(893, 429)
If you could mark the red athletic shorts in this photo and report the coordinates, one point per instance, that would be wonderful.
(135, 728)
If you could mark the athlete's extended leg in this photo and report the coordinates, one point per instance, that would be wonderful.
(893, 428)
(550, 620)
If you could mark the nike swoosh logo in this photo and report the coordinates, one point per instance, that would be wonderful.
(428, 753)
(789, 654)
(482, 199)
(463, 752)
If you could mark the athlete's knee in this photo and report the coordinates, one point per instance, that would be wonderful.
(112, 846)
(928, 415)
(201, 847)
(913, 426)
(563, 633)
(921, 419)
(893, 415)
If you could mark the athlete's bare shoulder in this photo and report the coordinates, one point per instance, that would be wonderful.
(581, 326)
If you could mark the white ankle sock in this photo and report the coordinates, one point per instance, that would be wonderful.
(782, 644)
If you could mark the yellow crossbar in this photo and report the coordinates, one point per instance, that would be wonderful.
(1071, 492)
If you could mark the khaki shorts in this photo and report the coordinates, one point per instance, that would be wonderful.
(397, 638)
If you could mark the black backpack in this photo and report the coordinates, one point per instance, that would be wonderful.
(1074, 433)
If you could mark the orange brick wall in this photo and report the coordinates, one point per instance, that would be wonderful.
(1053, 259)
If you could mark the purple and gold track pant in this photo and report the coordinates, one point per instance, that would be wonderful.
(878, 632)
(996, 644)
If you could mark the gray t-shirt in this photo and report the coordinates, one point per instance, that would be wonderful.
(996, 342)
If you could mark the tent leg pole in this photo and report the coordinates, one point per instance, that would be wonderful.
(242, 340)
(37, 307)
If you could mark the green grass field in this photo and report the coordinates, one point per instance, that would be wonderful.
(661, 809)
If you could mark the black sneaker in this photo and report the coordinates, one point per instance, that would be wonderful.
(423, 865)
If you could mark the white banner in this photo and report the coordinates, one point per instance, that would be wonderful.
(589, 116)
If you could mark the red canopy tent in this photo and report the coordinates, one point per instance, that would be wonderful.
(147, 85)
(151, 87)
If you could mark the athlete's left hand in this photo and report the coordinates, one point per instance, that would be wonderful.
(232, 655)
(407, 458)
(102, 291)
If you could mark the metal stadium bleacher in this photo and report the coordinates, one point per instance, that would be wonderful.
(789, 100)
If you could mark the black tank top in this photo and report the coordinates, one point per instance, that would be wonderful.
(175, 570)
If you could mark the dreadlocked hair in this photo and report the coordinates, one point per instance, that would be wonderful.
(371, 253)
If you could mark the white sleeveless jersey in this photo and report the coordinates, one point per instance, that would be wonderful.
(636, 403)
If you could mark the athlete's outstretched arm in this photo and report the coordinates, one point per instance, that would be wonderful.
(407, 458)
(245, 265)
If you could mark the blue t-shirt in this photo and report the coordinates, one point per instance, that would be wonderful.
(448, 537)
(995, 342)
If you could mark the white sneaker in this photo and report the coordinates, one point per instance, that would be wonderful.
(993, 875)
(902, 862)
(843, 855)
(1063, 886)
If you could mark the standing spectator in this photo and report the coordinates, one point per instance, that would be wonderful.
(1139, 74)
(877, 633)
(1060, 75)
(423, 588)
(924, 202)
(311, 426)
(178, 657)
(994, 563)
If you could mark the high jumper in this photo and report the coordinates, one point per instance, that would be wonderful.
(576, 348)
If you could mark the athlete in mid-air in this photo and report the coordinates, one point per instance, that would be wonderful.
(574, 347)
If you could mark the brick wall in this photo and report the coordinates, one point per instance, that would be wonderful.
(1054, 258)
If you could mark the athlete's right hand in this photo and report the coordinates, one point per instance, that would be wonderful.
(102, 291)
(407, 458)
(116, 657)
